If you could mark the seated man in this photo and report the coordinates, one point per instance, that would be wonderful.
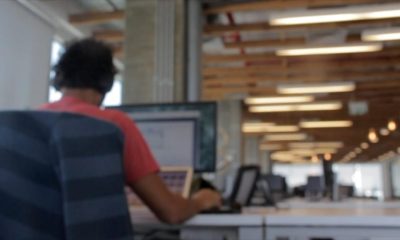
(84, 75)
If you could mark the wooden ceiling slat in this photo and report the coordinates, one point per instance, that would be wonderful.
(304, 67)
(271, 58)
(218, 30)
(322, 76)
(266, 43)
(279, 4)
(111, 35)
(91, 18)
(380, 93)
(277, 43)
(373, 99)
(377, 116)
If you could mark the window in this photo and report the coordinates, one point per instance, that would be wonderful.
(296, 174)
(113, 98)
(366, 178)
(395, 175)
(56, 50)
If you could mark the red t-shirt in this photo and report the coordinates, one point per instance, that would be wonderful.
(138, 159)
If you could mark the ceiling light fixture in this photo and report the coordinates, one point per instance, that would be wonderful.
(313, 151)
(261, 129)
(316, 88)
(279, 100)
(392, 126)
(285, 137)
(316, 145)
(283, 128)
(384, 131)
(328, 156)
(322, 106)
(388, 34)
(358, 150)
(325, 124)
(314, 159)
(286, 156)
(314, 16)
(372, 136)
(257, 126)
(334, 49)
(364, 145)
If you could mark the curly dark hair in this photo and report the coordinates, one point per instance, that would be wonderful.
(86, 63)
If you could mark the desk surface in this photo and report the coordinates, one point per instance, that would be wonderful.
(347, 203)
(349, 214)
(142, 216)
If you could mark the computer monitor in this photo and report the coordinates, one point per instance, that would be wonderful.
(245, 185)
(179, 134)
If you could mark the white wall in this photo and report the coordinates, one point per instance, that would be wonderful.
(296, 174)
(25, 49)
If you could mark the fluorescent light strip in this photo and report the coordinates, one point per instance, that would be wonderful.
(283, 128)
(335, 49)
(389, 34)
(326, 106)
(286, 137)
(369, 12)
(325, 124)
(257, 125)
(316, 145)
(311, 152)
(275, 100)
(316, 88)
(286, 156)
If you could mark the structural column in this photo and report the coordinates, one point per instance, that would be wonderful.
(154, 51)
(252, 150)
(265, 162)
(229, 142)
(194, 49)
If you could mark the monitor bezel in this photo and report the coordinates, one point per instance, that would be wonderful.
(175, 106)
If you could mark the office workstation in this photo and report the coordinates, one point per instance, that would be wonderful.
(286, 111)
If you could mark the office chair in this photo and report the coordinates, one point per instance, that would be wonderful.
(277, 186)
(315, 188)
(61, 178)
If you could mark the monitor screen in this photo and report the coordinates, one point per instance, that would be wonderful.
(179, 134)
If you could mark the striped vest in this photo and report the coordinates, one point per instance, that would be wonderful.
(61, 177)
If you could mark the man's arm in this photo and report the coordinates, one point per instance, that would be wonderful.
(168, 206)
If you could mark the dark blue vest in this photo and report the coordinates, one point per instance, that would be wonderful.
(61, 177)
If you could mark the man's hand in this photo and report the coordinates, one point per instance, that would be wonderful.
(206, 199)
(170, 207)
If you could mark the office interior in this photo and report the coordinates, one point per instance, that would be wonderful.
(306, 91)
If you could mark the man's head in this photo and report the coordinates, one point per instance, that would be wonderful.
(86, 64)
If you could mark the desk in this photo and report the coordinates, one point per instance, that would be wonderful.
(207, 226)
(352, 220)
(333, 223)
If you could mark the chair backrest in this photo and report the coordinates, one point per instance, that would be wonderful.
(315, 184)
(61, 177)
(276, 183)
